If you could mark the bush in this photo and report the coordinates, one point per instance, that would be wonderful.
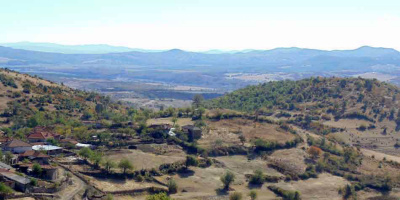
(172, 186)
(257, 178)
(285, 194)
(37, 169)
(235, 196)
(253, 195)
(227, 179)
(160, 196)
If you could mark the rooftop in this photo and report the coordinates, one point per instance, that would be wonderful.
(5, 166)
(15, 177)
(17, 143)
(45, 147)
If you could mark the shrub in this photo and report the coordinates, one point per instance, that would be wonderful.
(227, 179)
(314, 151)
(191, 161)
(172, 186)
(236, 196)
(37, 169)
(160, 196)
(34, 181)
(257, 178)
(253, 195)
(4, 189)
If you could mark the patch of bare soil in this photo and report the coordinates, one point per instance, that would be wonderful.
(228, 131)
(289, 160)
(168, 120)
(143, 160)
(243, 166)
(325, 187)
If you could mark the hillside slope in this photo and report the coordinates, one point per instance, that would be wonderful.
(355, 111)
(27, 101)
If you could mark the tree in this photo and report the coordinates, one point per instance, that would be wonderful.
(236, 196)
(125, 165)
(1, 155)
(227, 179)
(314, 152)
(253, 195)
(191, 161)
(174, 120)
(108, 165)
(8, 157)
(85, 152)
(257, 178)
(172, 186)
(198, 100)
(37, 169)
(96, 158)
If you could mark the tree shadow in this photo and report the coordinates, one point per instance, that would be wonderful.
(221, 191)
(254, 186)
(185, 173)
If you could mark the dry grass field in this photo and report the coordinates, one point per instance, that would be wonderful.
(228, 131)
(146, 160)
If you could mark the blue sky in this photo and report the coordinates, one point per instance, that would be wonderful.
(204, 24)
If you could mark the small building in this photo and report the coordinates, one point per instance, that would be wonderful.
(34, 156)
(50, 149)
(5, 166)
(19, 183)
(48, 172)
(81, 145)
(42, 134)
(17, 146)
(194, 133)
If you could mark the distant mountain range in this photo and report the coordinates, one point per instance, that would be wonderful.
(72, 49)
(279, 59)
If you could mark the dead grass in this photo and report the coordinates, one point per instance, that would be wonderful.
(228, 132)
(144, 160)
(168, 120)
(325, 187)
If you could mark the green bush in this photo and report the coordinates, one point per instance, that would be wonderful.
(257, 178)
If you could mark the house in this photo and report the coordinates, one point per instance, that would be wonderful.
(42, 134)
(17, 146)
(17, 182)
(35, 156)
(48, 172)
(193, 132)
(50, 149)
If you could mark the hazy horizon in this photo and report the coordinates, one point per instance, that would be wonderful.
(204, 25)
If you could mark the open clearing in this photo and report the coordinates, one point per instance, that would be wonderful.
(144, 160)
(325, 187)
(228, 132)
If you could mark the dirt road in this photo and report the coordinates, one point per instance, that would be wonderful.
(69, 192)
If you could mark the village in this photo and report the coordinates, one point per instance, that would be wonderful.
(40, 166)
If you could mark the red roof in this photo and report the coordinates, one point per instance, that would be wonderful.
(41, 133)
(17, 143)
(35, 154)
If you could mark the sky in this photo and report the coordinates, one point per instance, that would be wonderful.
(204, 24)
